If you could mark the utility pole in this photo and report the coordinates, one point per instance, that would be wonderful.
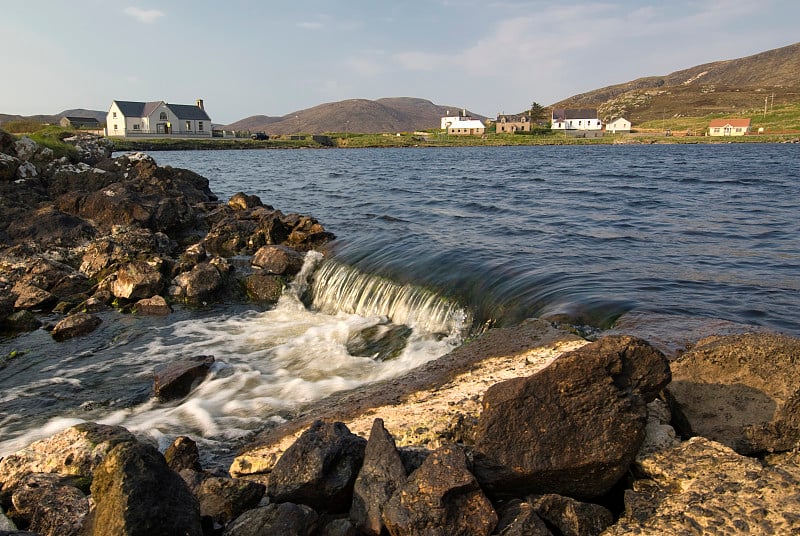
(766, 98)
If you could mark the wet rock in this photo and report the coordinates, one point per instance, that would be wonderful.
(380, 342)
(381, 475)
(183, 454)
(137, 280)
(155, 306)
(286, 519)
(177, 378)
(223, 499)
(75, 325)
(32, 297)
(442, 497)
(20, 321)
(319, 469)
(242, 201)
(200, 284)
(278, 260)
(264, 288)
(75, 451)
(573, 428)
(704, 487)
(740, 390)
(50, 505)
(50, 226)
(136, 493)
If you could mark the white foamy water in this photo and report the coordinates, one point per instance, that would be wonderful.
(267, 364)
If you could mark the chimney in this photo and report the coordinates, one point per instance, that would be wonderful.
(200, 104)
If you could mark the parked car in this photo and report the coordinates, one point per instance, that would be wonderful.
(259, 136)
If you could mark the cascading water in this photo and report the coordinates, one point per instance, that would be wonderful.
(268, 364)
(340, 288)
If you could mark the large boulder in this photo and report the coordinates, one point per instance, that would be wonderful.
(137, 280)
(76, 451)
(137, 494)
(278, 260)
(222, 499)
(381, 475)
(573, 428)
(200, 284)
(319, 469)
(704, 487)
(740, 390)
(50, 226)
(441, 498)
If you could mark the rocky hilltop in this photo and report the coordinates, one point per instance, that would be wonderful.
(527, 430)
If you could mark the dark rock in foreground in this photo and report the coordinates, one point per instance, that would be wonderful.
(176, 379)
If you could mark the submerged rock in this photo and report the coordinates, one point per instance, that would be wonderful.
(75, 325)
(380, 342)
(177, 378)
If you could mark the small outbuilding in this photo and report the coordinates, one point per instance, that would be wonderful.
(619, 125)
(79, 122)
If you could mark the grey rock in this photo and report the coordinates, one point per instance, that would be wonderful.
(286, 519)
(177, 378)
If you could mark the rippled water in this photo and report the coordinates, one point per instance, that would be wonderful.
(448, 241)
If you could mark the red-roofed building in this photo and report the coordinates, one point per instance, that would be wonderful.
(729, 127)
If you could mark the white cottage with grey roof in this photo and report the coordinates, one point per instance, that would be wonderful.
(155, 119)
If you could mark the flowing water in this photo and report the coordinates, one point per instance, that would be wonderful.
(447, 242)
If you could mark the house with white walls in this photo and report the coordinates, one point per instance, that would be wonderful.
(729, 127)
(158, 119)
(580, 122)
(619, 125)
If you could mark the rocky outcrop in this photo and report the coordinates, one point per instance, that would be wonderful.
(740, 390)
(575, 427)
(125, 230)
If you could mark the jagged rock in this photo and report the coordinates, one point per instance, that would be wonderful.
(242, 201)
(75, 451)
(441, 498)
(177, 378)
(50, 504)
(573, 428)
(75, 325)
(50, 226)
(137, 280)
(319, 469)
(740, 390)
(278, 260)
(183, 454)
(199, 284)
(382, 473)
(25, 148)
(569, 516)
(518, 518)
(136, 493)
(704, 487)
(263, 287)
(155, 306)
(8, 167)
(223, 499)
(91, 149)
(380, 342)
(286, 519)
(31, 297)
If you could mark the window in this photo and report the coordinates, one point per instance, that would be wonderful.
(114, 115)
(716, 129)
(200, 126)
(136, 127)
(163, 116)
(115, 127)
(188, 126)
(738, 129)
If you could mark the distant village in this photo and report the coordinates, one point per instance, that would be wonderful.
(159, 119)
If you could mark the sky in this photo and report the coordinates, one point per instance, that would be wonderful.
(275, 57)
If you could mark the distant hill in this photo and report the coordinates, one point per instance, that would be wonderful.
(724, 86)
(52, 119)
(396, 114)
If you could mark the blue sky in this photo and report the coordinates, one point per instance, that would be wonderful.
(248, 57)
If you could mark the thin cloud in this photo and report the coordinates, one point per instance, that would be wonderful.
(310, 25)
(147, 16)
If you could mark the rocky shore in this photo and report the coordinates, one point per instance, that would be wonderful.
(527, 430)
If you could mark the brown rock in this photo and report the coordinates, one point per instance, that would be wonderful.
(264, 288)
(50, 504)
(177, 378)
(155, 306)
(278, 260)
(75, 325)
(286, 519)
(137, 280)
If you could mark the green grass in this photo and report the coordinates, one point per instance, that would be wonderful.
(781, 118)
(51, 136)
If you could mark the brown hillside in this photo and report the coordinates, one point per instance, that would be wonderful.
(719, 87)
(396, 114)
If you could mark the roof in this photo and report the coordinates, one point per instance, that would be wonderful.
(514, 118)
(575, 113)
(469, 123)
(619, 119)
(729, 122)
(85, 120)
(144, 109)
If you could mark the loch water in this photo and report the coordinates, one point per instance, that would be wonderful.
(447, 241)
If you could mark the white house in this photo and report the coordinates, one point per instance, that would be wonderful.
(466, 127)
(729, 127)
(619, 124)
(129, 118)
(581, 123)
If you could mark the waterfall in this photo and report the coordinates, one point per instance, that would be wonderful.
(336, 287)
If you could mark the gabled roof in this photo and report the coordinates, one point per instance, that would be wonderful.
(514, 118)
(466, 123)
(575, 113)
(144, 109)
(716, 123)
(84, 120)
